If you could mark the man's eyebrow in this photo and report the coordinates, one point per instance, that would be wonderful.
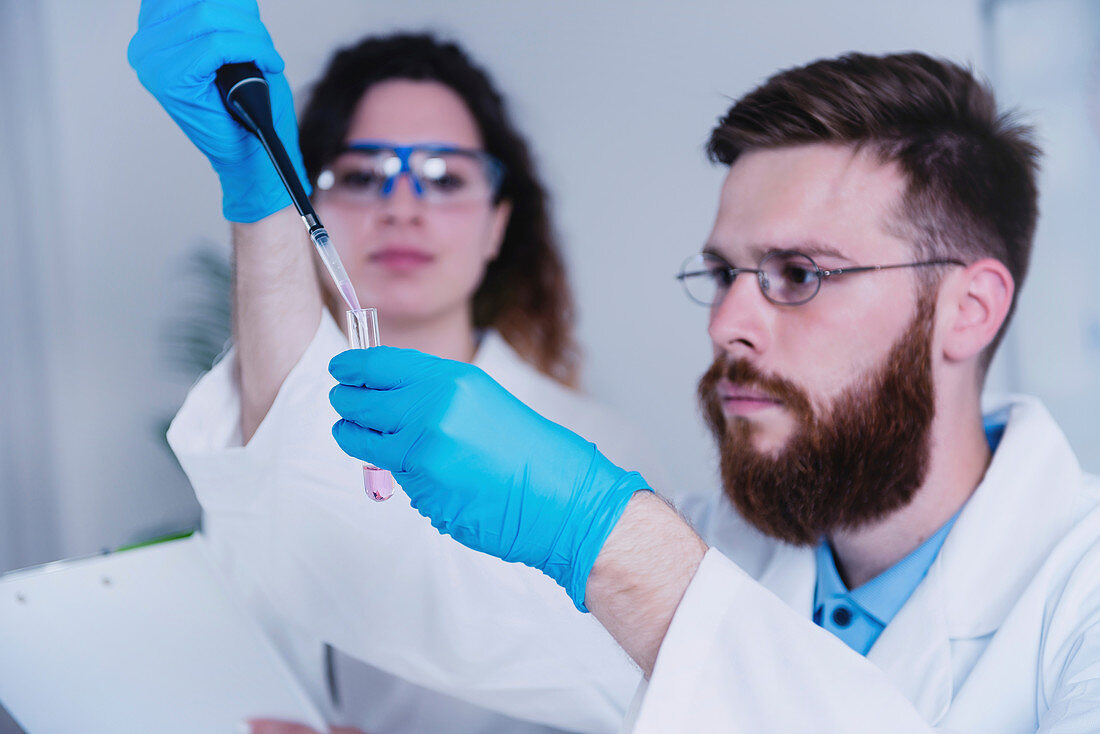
(813, 248)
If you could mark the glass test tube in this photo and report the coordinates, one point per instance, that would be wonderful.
(363, 334)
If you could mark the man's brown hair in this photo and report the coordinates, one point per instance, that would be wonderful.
(970, 170)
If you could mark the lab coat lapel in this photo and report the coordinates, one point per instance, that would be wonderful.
(1002, 535)
(914, 651)
(792, 576)
(1005, 532)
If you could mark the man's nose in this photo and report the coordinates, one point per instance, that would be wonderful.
(741, 320)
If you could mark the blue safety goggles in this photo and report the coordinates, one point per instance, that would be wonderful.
(367, 171)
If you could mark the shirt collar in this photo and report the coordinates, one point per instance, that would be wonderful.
(884, 595)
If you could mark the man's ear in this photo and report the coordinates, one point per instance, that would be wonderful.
(974, 305)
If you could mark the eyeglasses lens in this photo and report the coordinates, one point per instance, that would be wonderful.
(789, 278)
(705, 278)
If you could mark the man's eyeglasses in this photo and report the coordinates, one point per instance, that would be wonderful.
(786, 277)
(367, 171)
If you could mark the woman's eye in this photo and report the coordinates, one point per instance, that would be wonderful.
(359, 179)
(448, 182)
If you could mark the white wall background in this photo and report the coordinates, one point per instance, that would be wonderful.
(616, 97)
(1045, 59)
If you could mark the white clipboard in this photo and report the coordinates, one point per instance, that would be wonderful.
(145, 640)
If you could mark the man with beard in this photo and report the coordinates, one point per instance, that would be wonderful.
(885, 558)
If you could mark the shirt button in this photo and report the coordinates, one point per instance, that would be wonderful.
(842, 616)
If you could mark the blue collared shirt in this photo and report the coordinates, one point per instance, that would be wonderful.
(858, 616)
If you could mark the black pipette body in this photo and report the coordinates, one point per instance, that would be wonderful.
(244, 92)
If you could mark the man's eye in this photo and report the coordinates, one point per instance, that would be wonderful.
(723, 277)
(797, 274)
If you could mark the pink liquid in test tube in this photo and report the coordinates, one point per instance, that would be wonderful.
(378, 483)
(363, 334)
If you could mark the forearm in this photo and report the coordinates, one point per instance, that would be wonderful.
(641, 575)
(276, 307)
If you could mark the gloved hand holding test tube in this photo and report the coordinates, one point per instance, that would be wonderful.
(363, 334)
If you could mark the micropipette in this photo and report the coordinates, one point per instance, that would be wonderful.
(245, 94)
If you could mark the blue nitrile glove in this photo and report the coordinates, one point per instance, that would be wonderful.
(179, 46)
(481, 465)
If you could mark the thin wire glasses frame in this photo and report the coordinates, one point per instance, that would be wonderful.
(785, 277)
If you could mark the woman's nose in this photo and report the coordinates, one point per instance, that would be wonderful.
(402, 201)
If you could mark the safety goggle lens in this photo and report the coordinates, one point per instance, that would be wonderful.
(437, 176)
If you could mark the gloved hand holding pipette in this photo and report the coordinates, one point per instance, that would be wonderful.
(481, 465)
(176, 52)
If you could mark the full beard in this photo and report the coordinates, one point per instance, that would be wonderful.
(863, 459)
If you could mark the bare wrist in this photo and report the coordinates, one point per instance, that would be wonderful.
(641, 575)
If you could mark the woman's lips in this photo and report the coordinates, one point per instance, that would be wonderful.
(740, 400)
(401, 258)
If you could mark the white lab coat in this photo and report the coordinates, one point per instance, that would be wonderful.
(317, 561)
(1002, 635)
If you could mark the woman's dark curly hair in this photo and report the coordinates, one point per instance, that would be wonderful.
(524, 294)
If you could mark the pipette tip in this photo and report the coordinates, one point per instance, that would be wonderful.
(348, 292)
